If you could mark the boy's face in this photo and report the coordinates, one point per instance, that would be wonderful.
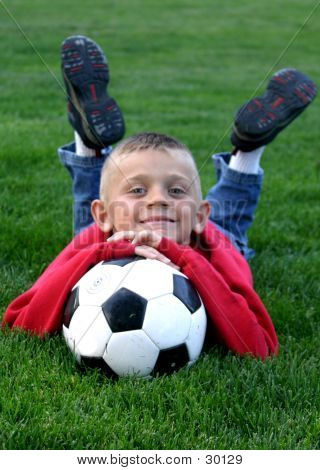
(152, 190)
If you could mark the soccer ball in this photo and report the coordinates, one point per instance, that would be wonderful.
(134, 317)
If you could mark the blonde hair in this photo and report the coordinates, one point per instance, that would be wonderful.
(146, 141)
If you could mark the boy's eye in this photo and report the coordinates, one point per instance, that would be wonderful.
(137, 190)
(176, 190)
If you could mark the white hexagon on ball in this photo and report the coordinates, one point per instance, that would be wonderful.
(197, 333)
(89, 331)
(167, 321)
(131, 353)
(148, 278)
(99, 283)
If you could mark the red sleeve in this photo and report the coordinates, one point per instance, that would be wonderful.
(40, 308)
(234, 308)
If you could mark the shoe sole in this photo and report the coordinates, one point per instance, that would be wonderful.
(94, 115)
(258, 121)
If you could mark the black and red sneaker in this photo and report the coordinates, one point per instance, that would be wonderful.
(259, 120)
(93, 114)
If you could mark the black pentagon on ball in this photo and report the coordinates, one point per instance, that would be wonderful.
(124, 310)
(184, 291)
(171, 360)
(71, 306)
(97, 362)
(123, 261)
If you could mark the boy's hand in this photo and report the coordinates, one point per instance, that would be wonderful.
(147, 242)
(145, 237)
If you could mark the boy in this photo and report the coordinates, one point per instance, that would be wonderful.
(150, 203)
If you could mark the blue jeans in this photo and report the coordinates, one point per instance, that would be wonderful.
(85, 174)
(233, 198)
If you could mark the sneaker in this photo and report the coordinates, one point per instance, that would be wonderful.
(93, 114)
(259, 120)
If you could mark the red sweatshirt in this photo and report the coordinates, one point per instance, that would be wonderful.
(220, 274)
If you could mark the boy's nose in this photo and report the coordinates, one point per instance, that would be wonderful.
(157, 196)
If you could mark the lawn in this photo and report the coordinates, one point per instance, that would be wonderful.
(180, 67)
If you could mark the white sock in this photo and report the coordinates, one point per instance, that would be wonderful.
(81, 149)
(247, 162)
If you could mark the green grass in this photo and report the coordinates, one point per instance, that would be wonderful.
(180, 67)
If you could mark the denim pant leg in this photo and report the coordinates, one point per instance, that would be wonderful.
(233, 200)
(85, 173)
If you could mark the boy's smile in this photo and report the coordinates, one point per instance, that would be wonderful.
(154, 190)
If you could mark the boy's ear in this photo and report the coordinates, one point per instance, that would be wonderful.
(101, 216)
(202, 216)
